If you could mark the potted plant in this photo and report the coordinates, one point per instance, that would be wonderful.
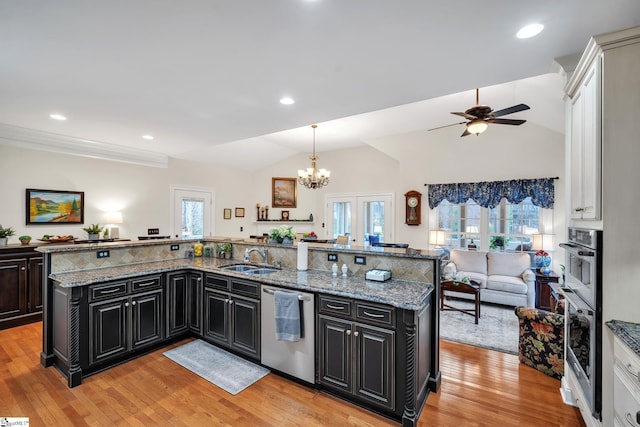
(283, 234)
(93, 231)
(223, 249)
(25, 240)
(5, 233)
(498, 242)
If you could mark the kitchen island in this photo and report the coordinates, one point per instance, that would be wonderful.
(81, 304)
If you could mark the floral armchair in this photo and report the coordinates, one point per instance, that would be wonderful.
(541, 342)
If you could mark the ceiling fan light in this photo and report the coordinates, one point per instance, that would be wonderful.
(477, 126)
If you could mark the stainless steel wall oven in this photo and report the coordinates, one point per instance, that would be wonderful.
(583, 322)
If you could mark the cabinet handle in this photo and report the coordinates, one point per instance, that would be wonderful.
(141, 285)
(133, 303)
(199, 279)
(629, 368)
(366, 313)
(109, 291)
(579, 209)
(356, 333)
(335, 307)
(226, 301)
(348, 331)
(629, 419)
(23, 268)
(126, 304)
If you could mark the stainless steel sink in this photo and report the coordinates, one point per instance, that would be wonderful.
(239, 267)
(250, 269)
(261, 271)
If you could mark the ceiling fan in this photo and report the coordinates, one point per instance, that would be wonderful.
(479, 117)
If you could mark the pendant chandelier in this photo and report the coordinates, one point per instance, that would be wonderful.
(313, 177)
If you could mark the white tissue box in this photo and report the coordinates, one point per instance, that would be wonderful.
(378, 275)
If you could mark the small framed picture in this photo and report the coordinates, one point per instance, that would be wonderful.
(227, 214)
(285, 216)
(239, 212)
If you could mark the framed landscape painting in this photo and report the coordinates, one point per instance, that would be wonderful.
(283, 192)
(54, 207)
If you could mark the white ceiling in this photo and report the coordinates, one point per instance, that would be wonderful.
(205, 76)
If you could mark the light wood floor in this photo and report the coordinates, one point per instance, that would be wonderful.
(479, 388)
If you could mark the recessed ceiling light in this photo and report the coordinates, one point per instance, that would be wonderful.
(529, 31)
(57, 117)
(287, 101)
(149, 137)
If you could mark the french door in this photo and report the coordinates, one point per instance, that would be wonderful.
(366, 218)
(192, 212)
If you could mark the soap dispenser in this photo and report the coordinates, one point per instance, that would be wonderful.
(246, 255)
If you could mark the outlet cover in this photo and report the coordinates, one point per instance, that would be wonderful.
(175, 247)
(151, 231)
(102, 254)
(361, 260)
(332, 257)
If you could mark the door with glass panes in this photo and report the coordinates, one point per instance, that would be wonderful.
(192, 212)
(364, 218)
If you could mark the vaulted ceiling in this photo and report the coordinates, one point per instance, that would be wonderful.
(205, 77)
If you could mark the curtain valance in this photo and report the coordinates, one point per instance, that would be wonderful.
(489, 193)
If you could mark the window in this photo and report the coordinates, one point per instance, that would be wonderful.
(506, 227)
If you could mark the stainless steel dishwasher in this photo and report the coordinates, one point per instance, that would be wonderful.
(297, 359)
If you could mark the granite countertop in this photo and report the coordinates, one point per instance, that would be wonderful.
(628, 332)
(398, 293)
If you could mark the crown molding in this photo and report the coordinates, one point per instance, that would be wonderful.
(16, 136)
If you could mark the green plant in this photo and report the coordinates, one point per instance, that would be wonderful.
(94, 229)
(223, 248)
(6, 232)
(498, 242)
(280, 233)
(24, 238)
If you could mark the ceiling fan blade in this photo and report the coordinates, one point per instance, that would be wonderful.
(446, 126)
(465, 115)
(510, 110)
(514, 122)
(465, 133)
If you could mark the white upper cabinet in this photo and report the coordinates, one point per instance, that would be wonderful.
(585, 142)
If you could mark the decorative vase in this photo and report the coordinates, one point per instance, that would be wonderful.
(94, 236)
(25, 242)
(3, 241)
(543, 261)
(287, 241)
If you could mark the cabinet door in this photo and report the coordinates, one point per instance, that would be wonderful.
(35, 284)
(374, 365)
(245, 326)
(13, 288)
(108, 326)
(216, 315)
(146, 319)
(194, 299)
(591, 156)
(577, 136)
(335, 364)
(177, 320)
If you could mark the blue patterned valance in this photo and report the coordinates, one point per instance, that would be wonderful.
(489, 193)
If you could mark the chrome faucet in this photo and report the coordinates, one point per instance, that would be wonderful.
(264, 254)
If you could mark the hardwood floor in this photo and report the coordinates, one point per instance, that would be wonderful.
(479, 388)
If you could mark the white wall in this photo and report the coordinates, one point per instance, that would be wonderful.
(393, 165)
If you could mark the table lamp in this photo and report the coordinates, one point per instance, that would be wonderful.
(472, 230)
(110, 219)
(543, 243)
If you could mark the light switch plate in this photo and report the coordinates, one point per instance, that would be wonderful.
(361, 260)
(151, 231)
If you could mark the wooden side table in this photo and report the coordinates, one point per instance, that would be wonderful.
(472, 288)
(545, 291)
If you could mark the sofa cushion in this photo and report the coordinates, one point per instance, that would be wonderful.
(470, 261)
(506, 284)
(508, 264)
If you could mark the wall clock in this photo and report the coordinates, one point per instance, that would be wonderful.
(412, 207)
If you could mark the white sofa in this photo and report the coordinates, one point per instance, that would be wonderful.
(504, 277)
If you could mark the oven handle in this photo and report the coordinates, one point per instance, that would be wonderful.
(577, 250)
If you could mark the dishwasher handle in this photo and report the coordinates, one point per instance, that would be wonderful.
(300, 297)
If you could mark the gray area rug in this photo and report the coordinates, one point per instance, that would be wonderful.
(497, 328)
(228, 371)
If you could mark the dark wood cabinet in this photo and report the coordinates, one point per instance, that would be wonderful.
(177, 287)
(232, 317)
(358, 358)
(194, 301)
(123, 317)
(545, 292)
(20, 286)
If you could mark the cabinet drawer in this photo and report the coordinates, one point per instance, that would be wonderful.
(373, 313)
(628, 362)
(336, 306)
(241, 287)
(146, 283)
(216, 282)
(625, 405)
(108, 290)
